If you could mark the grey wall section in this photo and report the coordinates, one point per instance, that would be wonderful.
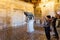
(17, 18)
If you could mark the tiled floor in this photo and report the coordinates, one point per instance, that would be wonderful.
(21, 33)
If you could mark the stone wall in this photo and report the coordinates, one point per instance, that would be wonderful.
(14, 10)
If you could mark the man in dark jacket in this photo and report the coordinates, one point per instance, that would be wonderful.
(47, 26)
(54, 27)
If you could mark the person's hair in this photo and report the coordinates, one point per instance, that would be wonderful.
(48, 16)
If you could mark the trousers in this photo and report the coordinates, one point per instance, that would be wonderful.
(47, 32)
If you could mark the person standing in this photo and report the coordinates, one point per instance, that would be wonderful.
(30, 22)
(46, 25)
(54, 27)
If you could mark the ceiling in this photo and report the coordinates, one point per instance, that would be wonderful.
(32, 1)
